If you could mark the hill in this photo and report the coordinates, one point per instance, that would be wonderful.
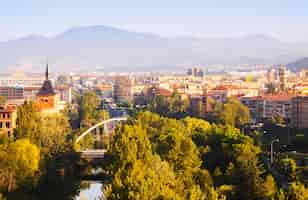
(298, 64)
(112, 49)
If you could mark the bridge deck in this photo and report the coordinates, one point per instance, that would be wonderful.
(92, 153)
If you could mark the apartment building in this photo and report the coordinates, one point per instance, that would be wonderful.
(299, 112)
(12, 92)
(265, 107)
(8, 115)
(122, 89)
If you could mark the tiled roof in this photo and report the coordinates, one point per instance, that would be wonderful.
(278, 97)
(46, 89)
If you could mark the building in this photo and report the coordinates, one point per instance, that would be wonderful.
(12, 92)
(46, 98)
(299, 112)
(30, 92)
(271, 75)
(19, 79)
(64, 93)
(282, 78)
(196, 72)
(278, 106)
(222, 92)
(264, 108)
(199, 106)
(256, 106)
(8, 115)
(153, 91)
(104, 90)
(122, 89)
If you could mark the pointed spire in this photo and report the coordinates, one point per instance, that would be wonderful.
(46, 73)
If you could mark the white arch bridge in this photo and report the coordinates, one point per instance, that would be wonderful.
(98, 153)
(103, 123)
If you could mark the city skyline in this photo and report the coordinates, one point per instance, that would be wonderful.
(281, 20)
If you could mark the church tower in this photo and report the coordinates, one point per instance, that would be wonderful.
(46, 98)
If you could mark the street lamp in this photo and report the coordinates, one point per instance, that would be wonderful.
(276, 140)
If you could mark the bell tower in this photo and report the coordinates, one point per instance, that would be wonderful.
(46, 97)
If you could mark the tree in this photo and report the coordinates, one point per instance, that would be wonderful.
(174, 106)
(48, 132)
(138, 174)
(51, 134)
(268, 188)
(233, 113)
(248, 172)
(27, 118)
(2, 100)
(102, 115)
(297, 191)
(18, 162)
(155, 158)
(287, 167)
(88, 104)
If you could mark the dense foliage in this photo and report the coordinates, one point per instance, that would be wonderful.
(170, 106)
(38, 140)
(153, 157)
(18, 163)
(149, 157)
(232, 112)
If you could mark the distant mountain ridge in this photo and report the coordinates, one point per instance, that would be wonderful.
(112, 49)
(298, 64)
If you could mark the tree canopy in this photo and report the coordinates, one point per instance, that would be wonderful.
(190, 151)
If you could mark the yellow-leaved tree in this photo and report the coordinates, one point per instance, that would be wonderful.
(18, 162)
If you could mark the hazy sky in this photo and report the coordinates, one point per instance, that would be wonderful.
(283, 19)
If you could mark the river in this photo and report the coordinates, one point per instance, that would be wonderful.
(93, 191)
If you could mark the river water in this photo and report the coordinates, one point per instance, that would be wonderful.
(92, 191)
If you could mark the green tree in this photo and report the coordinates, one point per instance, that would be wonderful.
(52, 134)
(138, 174)
(287, 167)
(18, 162)
(102, 115)
(48, 132)
(2, 100)
(268, 188)
(174, 106)
(88, 104)
(152, 141)
(297, 191)
(27, 121)
(248, 172)
(233, 113)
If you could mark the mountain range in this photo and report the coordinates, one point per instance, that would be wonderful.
(298, 64)
(111, 49)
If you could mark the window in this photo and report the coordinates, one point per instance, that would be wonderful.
(7, 124)
(0, 124)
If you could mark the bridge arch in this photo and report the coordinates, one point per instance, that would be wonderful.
(98, 125)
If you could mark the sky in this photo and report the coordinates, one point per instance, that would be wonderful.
(286, 20)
